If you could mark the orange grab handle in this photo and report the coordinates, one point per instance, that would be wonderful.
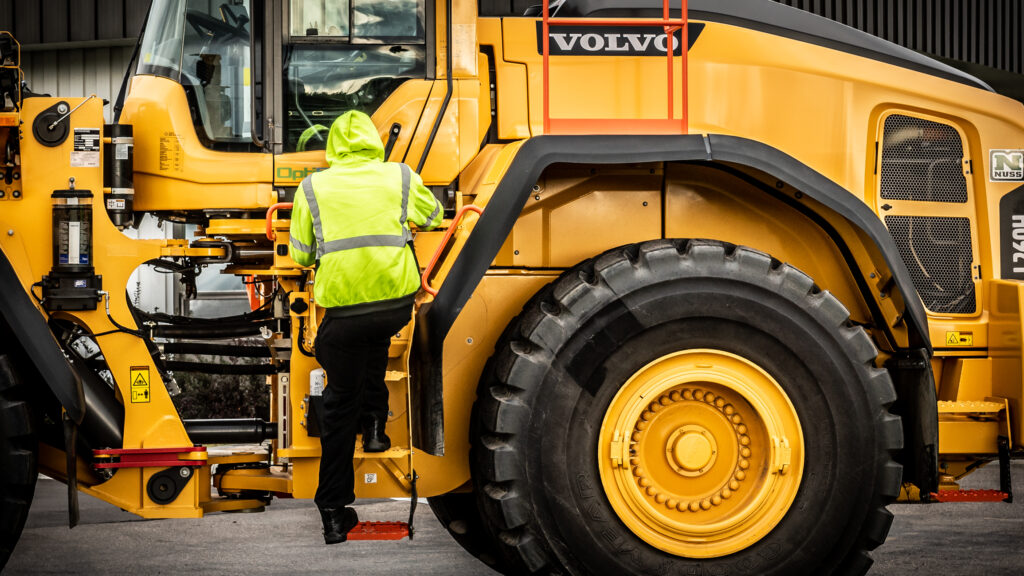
(250, 289)
(444, 242)
(270, 218)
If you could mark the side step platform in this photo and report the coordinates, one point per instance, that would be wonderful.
(379, 531)
(986, 421)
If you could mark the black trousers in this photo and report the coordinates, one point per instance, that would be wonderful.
(353, 351)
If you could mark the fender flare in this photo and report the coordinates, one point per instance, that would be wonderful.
(538, 153)
(31, 333)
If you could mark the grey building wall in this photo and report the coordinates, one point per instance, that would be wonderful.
(50, 21)
(77, 72)
(75, 47)
(984, 32)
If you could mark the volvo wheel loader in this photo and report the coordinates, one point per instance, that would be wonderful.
(718, 280)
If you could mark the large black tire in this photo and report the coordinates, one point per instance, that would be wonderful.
(459, 513)
(18, 459)
(556, 369)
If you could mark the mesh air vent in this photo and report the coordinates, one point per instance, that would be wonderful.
(922, 161)
(939, 254)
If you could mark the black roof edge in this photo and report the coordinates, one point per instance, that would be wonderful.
(785, 21)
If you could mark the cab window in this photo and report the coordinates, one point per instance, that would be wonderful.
(346, 55)
(204, 45)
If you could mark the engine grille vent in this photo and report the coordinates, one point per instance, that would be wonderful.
(939, 254)
(922, 161)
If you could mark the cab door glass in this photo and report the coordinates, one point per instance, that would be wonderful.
(386, 20)
(320, 18)
(346, 55)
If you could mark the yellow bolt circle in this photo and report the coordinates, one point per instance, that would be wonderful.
(706, 474)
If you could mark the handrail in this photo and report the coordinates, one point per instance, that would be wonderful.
(271, 235)
(670, 125)
(425, 279)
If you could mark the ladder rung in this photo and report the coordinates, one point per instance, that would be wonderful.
(970, 407)
(379, 531)
(969, 496)
(395, 452)
(395, 376)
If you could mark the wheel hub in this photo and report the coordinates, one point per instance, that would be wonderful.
(691, 450)
(709, 453)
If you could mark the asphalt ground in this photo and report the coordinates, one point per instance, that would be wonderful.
(948, 539)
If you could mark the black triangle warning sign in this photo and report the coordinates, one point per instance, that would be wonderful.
(139, 378)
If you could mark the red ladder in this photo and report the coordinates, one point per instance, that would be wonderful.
(669, 125)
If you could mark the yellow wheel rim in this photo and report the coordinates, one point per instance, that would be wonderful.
(701, 453)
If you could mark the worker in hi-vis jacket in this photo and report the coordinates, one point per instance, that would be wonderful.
(351, 220)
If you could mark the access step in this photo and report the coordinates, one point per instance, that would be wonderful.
(971, 496)
(390, 453)
(970, 407)
(379, 531)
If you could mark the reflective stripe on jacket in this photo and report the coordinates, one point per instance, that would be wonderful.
(352, 218)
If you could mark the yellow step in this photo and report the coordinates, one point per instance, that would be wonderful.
(395, 376)
(393, 452)
(970, 407)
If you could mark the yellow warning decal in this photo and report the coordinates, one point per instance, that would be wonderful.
(139, 377)
(959, 338)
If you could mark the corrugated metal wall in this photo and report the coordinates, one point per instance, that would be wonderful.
(78, 72)
(75, 47)
(39, 21)
(986, 32)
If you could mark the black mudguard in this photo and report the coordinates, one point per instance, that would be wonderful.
(538, 153)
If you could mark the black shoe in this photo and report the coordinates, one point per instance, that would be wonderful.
(337, 523)
(374, 438)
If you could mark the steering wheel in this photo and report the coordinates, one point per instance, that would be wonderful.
(309, 133)
(206, 25)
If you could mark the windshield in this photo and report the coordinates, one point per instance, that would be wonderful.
(204, 45)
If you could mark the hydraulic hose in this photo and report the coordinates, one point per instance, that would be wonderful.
(230, 431)
(227, 369)
(208, 332)
(217, 350)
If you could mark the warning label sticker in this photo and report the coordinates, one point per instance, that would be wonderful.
(86, 151)
(139, 377)
(171, 154)
(959, 338)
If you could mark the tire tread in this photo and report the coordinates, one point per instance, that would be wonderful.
(557, 310)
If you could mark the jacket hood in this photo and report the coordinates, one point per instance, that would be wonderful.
(353, 136)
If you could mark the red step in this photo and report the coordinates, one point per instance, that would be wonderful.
(379, 531)
(969, 496)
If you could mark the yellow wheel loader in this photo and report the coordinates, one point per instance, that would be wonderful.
(718, 281)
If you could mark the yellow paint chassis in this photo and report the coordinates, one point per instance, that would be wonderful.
(700, 453)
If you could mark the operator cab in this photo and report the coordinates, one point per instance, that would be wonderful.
(243, 63)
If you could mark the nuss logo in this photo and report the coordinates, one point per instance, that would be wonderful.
(1007, 165)
(612, 40)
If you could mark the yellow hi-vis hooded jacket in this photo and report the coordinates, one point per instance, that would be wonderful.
(352, 219)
